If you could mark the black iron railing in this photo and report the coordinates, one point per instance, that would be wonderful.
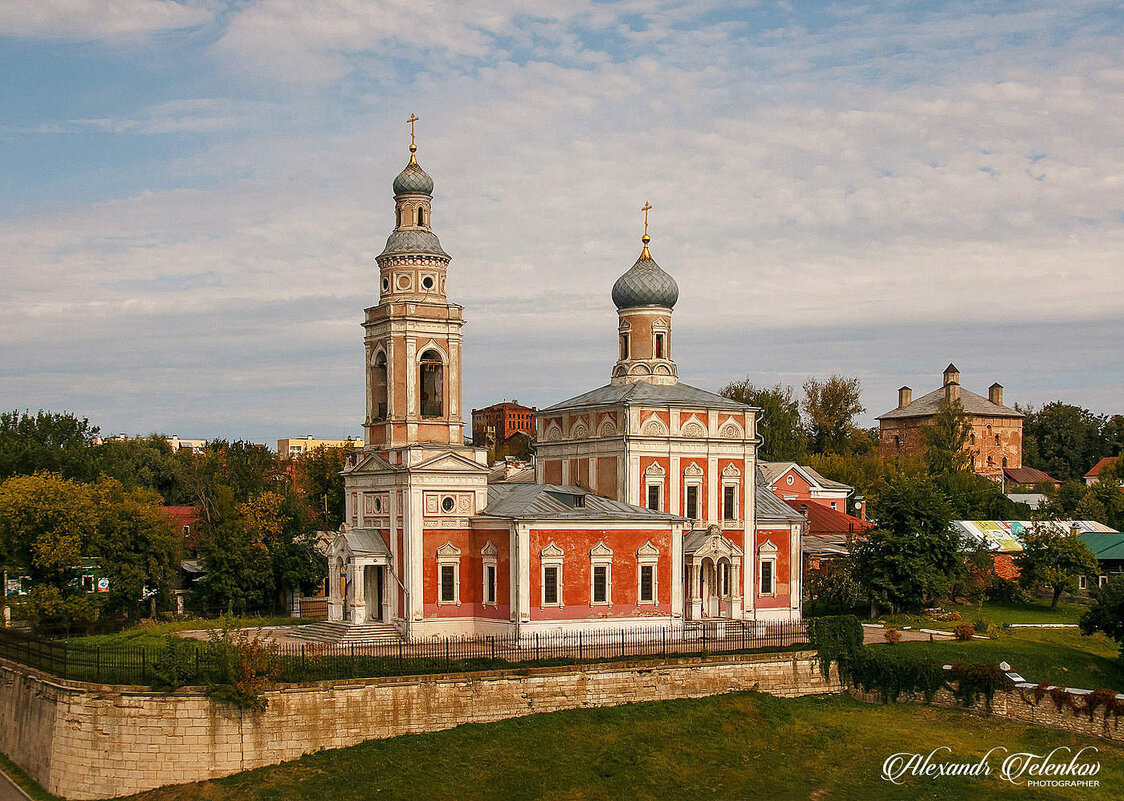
(200, 662)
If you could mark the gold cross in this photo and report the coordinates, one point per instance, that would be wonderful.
(413, 118)
(646, 208)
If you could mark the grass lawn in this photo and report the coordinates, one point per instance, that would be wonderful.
(152, 634)
(743, 745)
(1037, 611)
(1060, 656)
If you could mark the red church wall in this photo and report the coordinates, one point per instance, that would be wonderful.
(680, 507)
(645, 462)
(742, 501)
(607, 476)
(552, 471)
(783, 597)
(470, 544)
(576, 573)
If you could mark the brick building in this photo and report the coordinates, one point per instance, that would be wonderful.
(996, 440)
(647, 509)
(501, 421)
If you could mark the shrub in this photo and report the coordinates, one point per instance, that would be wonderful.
(245, 665)
(974, 680)
(836, 639)
(980, 624)
(992, 631)
(1006, 591)
(892, 636)
(892, 673)
(174, 664)
(964, 631)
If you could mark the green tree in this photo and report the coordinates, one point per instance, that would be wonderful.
(830, 407)
(781, 429)
(233, 551)
(914, 555)
(1063, 439)
(973, 497)
(946, 439)
(318, 480)
(1107, 612)
(146, 462)
(139, 549)
(46, 524)
(1053, 559)
(46, 442)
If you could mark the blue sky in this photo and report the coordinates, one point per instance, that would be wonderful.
(195, 192)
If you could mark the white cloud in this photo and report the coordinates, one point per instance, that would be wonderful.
(87, 20)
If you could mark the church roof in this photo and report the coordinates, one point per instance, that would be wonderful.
(645, 284)
(554, 502)
(644, 394)
(928, 405)
(425, 242)
(365, 542)
(413, 180)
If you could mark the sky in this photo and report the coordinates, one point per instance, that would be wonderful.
(193, 193)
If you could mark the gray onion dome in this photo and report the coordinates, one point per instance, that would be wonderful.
(413, 180)
(645, 285)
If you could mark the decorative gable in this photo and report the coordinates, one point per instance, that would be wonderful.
(448, 551)
(601, 551)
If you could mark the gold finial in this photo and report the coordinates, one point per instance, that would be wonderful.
(413, 147)
(646, 239)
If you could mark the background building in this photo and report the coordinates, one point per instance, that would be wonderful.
(996, 440)
(295, 446)
(500, 421)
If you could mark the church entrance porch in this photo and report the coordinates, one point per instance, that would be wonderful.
(374, 591)
(358, 595)
(712, 573)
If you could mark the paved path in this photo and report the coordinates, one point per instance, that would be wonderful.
(873, 635)
(9, 791)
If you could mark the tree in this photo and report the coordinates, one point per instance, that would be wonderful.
(1054, 559)
(46, 442)
(139, 549)
(946, 439)
(318, 479)
(831, 407)
(1063, 439)
(46, 524)
(233, 551)
(781, 429)
(147, 462)
(914, 555)
(1107, 612)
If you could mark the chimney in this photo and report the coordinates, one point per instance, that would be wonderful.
(905, 397)
(860, 507)
(951, 374)
(951, 391)
(995, 393)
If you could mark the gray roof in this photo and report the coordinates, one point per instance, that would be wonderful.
(774, 470)
(362, 541)
(554, 502)
(645, 284)
(644, 394)
(825, 544)
(423, 242)
(413, 180)
(927, 405)
(773, 509)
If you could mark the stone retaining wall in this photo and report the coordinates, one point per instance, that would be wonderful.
(87, 741)
(1020, 705)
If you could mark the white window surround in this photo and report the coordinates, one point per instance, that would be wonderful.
(550, 556)
(767, 553)
(601, 555)
(654, 476)
(449, 555)
(648, 555)
(693, 477)
(488, 557)
(1082, 583)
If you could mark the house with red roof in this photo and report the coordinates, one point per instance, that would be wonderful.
(1094, 475)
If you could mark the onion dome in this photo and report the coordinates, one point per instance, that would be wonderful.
(646, 284)
(413, 180)
(419, 242)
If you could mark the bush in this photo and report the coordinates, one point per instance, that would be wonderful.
(835, 639)
(964, 632)
(974, 680)
(50, 611)
(892, 636)
(174, 664)
(245, 665)
(1006, 591)
(892, 673)
(992, 631)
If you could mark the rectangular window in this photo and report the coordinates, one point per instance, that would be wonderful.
(693, 502)
(1082, 583)
(550, 585)
(490, 584)
(88, 583)
(729, 503)
(1102, 580)
(654, 497)
(647, 583)
(600, 584)
(659, 346)
(767, 577)
(448, 584)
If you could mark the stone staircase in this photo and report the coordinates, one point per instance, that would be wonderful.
(333, 633)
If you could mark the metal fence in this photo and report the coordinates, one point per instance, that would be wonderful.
(192, 662)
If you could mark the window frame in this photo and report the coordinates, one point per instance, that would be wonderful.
(489, 559)
(647, 557)
(551, 557)
(448, 556)
(767, 554)
(601, 557)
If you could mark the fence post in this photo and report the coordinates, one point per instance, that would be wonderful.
(97, 662)
(399, 653)
(492, 642)
(197, 677)
(447, 662)
(65, 659)
(536, 647)
(144, 662)
(304, 663)
(580, 650)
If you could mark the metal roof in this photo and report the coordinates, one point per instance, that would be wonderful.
(772, 509)
(645, 394)
(774, 470)
(556, 502)
(928, 405)
(1103, 544)
(365, 542)
(645, 284)
(422, 242)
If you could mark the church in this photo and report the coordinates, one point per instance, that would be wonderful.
(648, 507)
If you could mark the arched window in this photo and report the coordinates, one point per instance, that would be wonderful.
(624, 346)
(398, 217)
(431, 380)
(996, 439)
(1004, 461)
(378, 386)
(421, 215)
(659, 346)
